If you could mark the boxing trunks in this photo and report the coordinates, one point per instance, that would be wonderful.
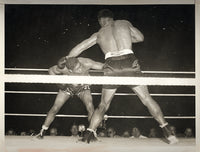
(74, 90)
(122, 63)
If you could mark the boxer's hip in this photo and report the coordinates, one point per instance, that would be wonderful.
(118, 53)
(75, 90)
(124, 65)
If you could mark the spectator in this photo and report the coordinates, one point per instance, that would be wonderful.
(153, 133)
(188, 133)
(74, 130)
(53, 132)
(81, 129)
(10, 132)
(126, 134)
(31, 132)
(23, 133)
(111, 132)
(173, 129)
(136, 133)
(102, 133)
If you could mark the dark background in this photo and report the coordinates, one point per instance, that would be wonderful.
(38, 35)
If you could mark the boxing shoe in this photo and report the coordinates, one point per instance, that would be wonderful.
(89, 136)
(169, 135)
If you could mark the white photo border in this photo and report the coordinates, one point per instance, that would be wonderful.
(98, 2)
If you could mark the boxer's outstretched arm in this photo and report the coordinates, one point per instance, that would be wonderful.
(91, 64)
(84, 45)
(97, 65)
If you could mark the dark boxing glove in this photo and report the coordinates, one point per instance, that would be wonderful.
(61, 63)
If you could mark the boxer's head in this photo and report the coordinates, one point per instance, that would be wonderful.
(71, 63)
(105, 13)
(104, 17)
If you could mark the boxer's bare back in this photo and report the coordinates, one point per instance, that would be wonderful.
(113, 36)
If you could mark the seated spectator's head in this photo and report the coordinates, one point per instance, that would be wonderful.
(74, 130)
(102, 134)
(81, 128)
(126, 134)
(135, 132)
(10, 132)
(31, 131)
(111, 132)
(173, 129)
(152, 133)
(53, 132)
(188, 132)
(23, 133)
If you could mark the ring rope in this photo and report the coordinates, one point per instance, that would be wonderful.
(161, 72)
(83, 116)
(119, 94)
(25, 69)
(98, 80)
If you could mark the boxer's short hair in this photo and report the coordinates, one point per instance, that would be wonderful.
(71, 62)
(105, 13)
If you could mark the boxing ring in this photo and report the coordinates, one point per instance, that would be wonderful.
(71, 144)
(104, 144)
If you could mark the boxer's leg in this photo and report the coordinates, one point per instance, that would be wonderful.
(143, 93)
(86, 97)
(61, 98)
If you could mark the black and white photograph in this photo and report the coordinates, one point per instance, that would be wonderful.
(100, 77)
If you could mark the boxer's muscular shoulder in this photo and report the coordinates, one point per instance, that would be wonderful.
(118, 22)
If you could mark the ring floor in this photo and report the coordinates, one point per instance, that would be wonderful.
(71, 144)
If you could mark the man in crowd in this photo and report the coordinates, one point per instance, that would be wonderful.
(136, 133)
(74, 130)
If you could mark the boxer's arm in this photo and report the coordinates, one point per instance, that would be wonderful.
(84, 45)
(136, 35)
(97, 65)
(91, 64)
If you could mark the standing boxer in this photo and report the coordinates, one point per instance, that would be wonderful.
(115, 39)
